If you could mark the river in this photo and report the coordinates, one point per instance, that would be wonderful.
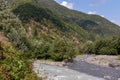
(78, 70)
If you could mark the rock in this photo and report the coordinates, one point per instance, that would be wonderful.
(68, 61)
(114, 64)
(104, 61)
(107, 77)
(118, 78)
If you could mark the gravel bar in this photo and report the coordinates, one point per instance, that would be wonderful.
(108, 73)
(78, 70)
(51, 72)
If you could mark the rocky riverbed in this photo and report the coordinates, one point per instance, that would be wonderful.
(104, 61)
(80, 69)
(50, 72)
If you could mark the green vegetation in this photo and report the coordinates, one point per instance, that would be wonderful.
(39, 29)
(13, 66)
(94, 24)
(57, 50)
(70, 23)
(107, 46)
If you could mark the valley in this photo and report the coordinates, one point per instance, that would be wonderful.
(33, 30)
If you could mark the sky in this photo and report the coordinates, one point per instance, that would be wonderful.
(109, 9)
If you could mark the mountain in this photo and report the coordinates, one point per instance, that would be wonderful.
(43, 29)
(45, 21)
(66, 21)
(92, 23)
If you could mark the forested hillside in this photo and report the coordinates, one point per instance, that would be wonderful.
(41, 25)
(68, 22)
(48, 21)
(92, 23)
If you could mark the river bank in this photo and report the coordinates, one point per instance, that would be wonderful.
(80, 69)
(50, 72)
(104, 61)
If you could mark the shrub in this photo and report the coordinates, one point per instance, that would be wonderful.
(58, 50)
(108, 51)
(88, 47)
(14, 66)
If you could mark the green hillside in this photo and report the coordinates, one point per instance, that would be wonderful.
(69, 21)
(47, 21)
(34, 11)
(91, 23)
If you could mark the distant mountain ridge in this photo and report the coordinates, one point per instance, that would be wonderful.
(104, 27)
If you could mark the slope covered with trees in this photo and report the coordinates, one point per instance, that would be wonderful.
(92, 23)
(44, 23)
(34, 32)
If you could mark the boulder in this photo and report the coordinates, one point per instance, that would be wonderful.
(114, 64)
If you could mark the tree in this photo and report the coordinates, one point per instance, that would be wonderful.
(71, 51)
(58, 50)
(61, 49)
(108, 51)
(88, 47)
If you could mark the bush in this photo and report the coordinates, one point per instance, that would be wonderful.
(61, 50)
(58, 50)
(14, 66)
(108, 46)
(108, 51)
(88, 47)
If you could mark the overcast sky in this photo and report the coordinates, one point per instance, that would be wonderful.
(109, 9)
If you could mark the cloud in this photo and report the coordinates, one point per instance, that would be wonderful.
(98, 2)
(92, 12)
(67, 4)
